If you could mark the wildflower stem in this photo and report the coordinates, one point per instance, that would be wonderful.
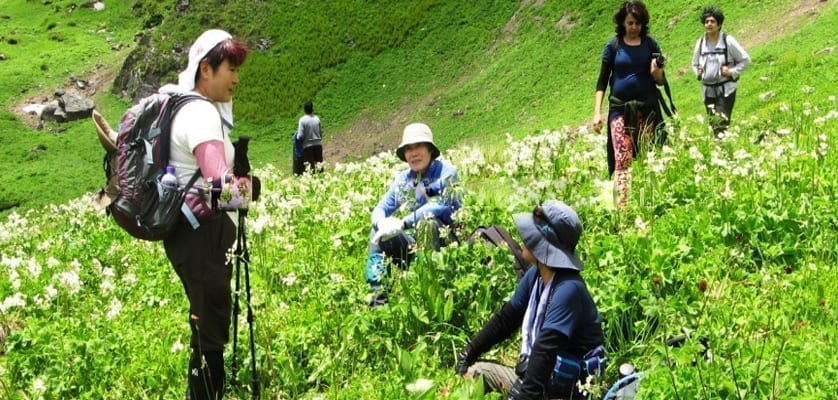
(671, 373)
(735, 381)
(777, 369)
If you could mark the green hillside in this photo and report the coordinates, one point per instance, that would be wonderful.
(474, 71)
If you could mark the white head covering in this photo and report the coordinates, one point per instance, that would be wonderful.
(186, 79)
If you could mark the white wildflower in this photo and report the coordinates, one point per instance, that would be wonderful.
(727, 193)
(71, 281)
(767, 95)
(129, 278)
(15, 300)
(39, 386)
(640, 224)
(106, 286)
(695, 154)
(51, 292)
(177, 346)
(290, 279)
(12, 262)
(115, 308)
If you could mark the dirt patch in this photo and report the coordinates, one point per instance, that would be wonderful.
(99, 82)
(367, 136)
(783, 25)
(566, 23)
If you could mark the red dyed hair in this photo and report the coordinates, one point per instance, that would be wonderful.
(231, 50)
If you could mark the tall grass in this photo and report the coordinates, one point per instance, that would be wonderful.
(728, 242)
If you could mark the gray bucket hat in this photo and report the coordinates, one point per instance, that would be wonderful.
(551, 233)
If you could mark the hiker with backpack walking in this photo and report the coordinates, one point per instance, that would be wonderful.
(632, 65)
(310, 135)
(200, 139)
(424, 188)
(718, 61)
(561, 332)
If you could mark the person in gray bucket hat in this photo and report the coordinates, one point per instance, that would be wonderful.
(561, 332)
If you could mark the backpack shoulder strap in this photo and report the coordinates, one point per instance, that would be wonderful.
(173, 105)
(498, 236)
(654, 47)
(614, 42)
(724, 42)
(521, 265)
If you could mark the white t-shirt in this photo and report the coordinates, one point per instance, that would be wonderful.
(196, 122)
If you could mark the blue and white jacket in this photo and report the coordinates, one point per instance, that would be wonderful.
(435, 201)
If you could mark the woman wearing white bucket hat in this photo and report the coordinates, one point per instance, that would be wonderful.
(200, 138)
(423, 187)
(561, 332)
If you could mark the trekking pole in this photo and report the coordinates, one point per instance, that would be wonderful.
(245, 259)
(241, 167)
(234, 367)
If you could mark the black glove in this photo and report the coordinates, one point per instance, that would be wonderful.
(515, 392)
(241, 163)
(463, 362)
(255, 188)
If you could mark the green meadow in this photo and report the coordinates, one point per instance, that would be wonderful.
(729, 242)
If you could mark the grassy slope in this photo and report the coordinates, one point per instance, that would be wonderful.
(473, 71)
(42, 167)
(787, 68)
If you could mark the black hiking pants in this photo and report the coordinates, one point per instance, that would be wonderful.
(199, 256)
(722, 107)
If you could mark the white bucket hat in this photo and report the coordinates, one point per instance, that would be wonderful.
(417, 133)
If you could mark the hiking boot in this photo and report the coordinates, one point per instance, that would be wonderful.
(375, 269)
(378, 299)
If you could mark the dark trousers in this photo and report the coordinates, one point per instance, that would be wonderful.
(722, 107)
(297, 165)
(199, 257)
(312, 156)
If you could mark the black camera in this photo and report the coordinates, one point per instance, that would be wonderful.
(660, 61)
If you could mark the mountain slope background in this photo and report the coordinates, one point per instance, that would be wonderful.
(475, 71)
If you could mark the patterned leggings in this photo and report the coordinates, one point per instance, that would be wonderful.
(621, 138)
